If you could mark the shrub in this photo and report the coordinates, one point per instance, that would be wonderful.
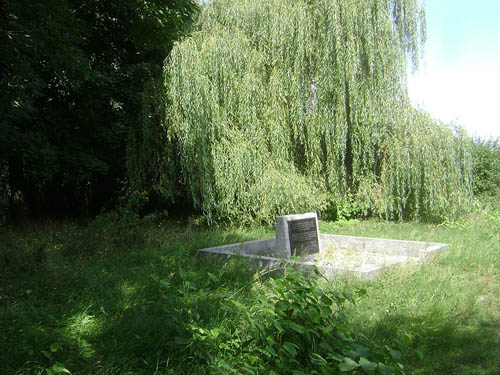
(486, 167)
(295, 326)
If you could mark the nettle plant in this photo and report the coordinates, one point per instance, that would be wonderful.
(296, 325)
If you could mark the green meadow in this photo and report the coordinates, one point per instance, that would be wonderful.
(122, 295)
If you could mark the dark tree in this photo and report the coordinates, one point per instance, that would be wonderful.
(71, 77)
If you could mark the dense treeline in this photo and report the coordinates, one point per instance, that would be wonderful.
(486, 157)
(269, 107)
(72, 74)
(279, 106)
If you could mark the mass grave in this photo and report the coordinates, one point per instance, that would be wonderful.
(299, 241)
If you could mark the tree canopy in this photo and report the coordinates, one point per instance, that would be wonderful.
(275, 106)
(71, 79)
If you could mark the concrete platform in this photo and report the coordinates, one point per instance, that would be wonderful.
(363, 257)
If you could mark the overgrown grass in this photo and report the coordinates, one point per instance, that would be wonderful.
(448, 308)
(128, 296)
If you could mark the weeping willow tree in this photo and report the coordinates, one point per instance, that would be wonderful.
(278, 106)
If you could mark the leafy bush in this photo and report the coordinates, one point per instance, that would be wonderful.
(486, 158)
(296, 325)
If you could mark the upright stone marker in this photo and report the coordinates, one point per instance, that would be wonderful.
(297, 235)
(303, 236)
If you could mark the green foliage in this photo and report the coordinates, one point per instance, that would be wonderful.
(308, 92)
(486, 159)
(295, 324)
(71, 77)
(105, 314)
(56, 367)
(428, 172)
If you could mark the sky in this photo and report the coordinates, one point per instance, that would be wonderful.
(459, 77)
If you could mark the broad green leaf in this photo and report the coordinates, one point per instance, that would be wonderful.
(297, 328)
(281, 306)
(361, 291)
(354, 354)
(362, 350)
(326, 310)
(326, 300)
(395, 354)
(212, 277)
(190, 285)
(318, 359)
(367, 365)
(58, 367)
(406, 339)
(215, 332)
(270, 340)
(385, 370)
(271, 350)
(290, 348)
(347, 364)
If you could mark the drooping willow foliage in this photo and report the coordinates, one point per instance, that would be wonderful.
(280, 106)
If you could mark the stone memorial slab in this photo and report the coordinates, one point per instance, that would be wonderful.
(297, 235)
(332, 255)
(303, 236)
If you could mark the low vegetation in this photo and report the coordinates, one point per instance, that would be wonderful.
(123, 295)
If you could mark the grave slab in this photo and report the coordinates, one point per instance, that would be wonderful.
(298, 235)
(333, 255)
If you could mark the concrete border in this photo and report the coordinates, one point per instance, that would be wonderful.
(282, 235)
(263, 254)
(415, 249)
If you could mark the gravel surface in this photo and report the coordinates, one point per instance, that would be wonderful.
(358, 260)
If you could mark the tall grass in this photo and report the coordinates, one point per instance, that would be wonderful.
(103, 299)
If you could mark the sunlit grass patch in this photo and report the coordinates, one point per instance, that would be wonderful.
(80, 328)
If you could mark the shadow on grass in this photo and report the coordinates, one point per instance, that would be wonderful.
(106, 311)
(467, 345)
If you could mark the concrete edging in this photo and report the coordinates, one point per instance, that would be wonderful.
(262, 254)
